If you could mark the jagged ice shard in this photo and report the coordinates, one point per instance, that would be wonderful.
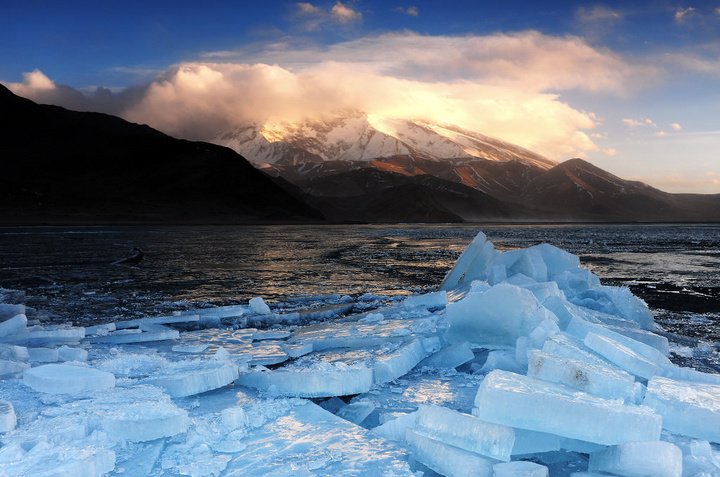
(523, 363)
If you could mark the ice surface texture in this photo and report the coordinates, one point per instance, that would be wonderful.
(520, 356)
(187, 378)
(322, 381)
(62, 378)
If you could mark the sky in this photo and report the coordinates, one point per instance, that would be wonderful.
(633, 87)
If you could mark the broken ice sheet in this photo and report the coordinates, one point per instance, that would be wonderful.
(363, 334)
(216, 426)
(45, 459)
(62, 378)
(308, 440)
(185, 378)
(319, 379)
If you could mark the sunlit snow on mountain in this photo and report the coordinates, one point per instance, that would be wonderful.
(353, 135)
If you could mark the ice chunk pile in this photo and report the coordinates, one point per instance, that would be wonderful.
(522, 364)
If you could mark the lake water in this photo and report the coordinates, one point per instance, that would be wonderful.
(68, 272)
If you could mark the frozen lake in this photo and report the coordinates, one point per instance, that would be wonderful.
(70, 272)
(363, 363)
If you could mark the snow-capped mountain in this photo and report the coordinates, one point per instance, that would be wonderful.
(358, 167)
(356, 136)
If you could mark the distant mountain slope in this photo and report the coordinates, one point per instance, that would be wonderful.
(356, 136)
(372, 195)
(574, 190)
(504, 180)
(61, 166)
(578, 190)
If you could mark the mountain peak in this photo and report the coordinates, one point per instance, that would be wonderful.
(353, 135)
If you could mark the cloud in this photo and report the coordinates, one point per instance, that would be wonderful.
(41, 89)
(200, 99)
(598, 13)
(314, 17)
(691, 62)
(344, 14)
(529, 60)
(676, 127)
(412, 11)
(502, 85)
(308, 9)
(683, 14)
(661, 134)
(633, 123)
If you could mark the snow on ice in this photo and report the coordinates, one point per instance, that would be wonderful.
(521, 364)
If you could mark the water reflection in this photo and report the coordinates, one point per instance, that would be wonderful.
(70, 269)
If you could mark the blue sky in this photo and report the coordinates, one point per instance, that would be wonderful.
(632, 87)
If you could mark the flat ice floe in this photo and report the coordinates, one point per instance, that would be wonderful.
(522, 363)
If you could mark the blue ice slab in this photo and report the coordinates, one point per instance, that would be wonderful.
(466, 432)
(519, 469)
(624, 357)
(8, 419)
(63, 378)
(451, 356)
(13, 326)
(391, 366)
(651, 346)
(320, 380)
(528, 403)
(651, 458)
(186, 378)
(688, 408)
(596, 379)
(447, 460)
(495, 318)
(472, 263)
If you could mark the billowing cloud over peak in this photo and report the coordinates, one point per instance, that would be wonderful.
(503, 85)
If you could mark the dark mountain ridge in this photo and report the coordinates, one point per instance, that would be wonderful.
(574, 190)
(62, 166)
(65, 167)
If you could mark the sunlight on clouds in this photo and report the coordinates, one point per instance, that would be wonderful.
(32, 82)
(344, 14)
(308, 9)
(524, 60)
(502, 85)
(633, 123)
(197, 100)
(313, 17)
